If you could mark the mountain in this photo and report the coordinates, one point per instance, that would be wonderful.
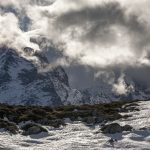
(22, 83)
(103, 93)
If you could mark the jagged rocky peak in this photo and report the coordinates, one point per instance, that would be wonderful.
(22, 83)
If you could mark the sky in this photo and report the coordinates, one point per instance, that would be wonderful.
(94, 40)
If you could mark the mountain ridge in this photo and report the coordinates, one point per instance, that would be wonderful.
(22, 83)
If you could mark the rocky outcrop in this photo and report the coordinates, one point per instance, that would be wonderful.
(32, 128)
(127, 128)
(112, 128)
(115, 128)
(9, 126)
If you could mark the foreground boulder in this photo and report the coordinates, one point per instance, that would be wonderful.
(115, 128)
(111, 128)
(127, 128)
(8, 126)
(32, 128)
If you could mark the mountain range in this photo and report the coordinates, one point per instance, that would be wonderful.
(22, 82)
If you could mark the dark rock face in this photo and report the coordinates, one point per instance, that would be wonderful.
(4, 77)
(60, 74)
(27, 76)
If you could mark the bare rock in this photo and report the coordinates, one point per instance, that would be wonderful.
(32, 128)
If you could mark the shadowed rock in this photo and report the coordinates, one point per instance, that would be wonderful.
(115, 128)
(8, 126)
(32, 128)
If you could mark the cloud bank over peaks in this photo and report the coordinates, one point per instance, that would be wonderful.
(105, 35)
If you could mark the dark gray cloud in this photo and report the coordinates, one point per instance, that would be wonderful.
(41, 2)
(107, 13)
(97, 23)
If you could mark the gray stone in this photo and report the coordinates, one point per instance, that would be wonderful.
(111, 128)
(32, 128)
(127, 128)
(115, 128)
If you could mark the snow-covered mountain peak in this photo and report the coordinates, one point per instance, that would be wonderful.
(22, 83)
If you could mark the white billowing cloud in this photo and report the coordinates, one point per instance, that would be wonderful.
(11, 35)
(121, 88)
(98, 54)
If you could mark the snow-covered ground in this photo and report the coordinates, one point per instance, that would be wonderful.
(77, 136)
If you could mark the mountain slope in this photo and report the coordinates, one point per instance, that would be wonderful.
(104, 93)
(21, 83)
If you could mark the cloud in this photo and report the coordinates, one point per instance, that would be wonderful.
(101, 35)
(11, 35)
(121, 88)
